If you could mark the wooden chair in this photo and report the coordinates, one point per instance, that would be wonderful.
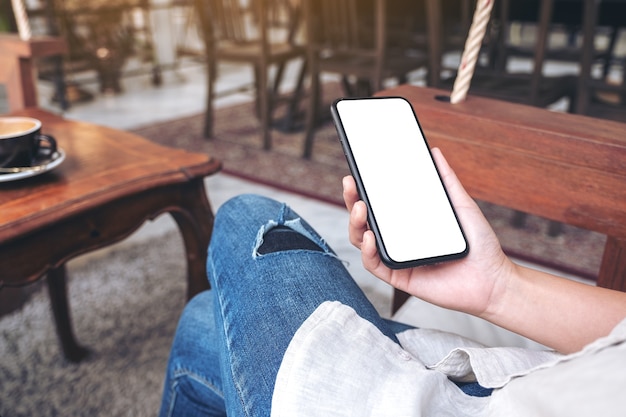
(350, 38)
(262, 35)
(18, 67)
(494, 80)
(566, 21)
(590, 19)
(564, 167)
(589, 87)
(448, 24)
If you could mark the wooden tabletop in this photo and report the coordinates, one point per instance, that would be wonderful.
(102, 164)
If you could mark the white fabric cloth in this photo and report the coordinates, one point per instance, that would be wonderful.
(339, 364)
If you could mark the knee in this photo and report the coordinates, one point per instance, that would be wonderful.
(196, 322)
(193, 394)
(283, 238)
(244, 203)
(272, 225)
(241, 212)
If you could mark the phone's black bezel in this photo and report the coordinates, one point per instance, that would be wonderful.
(384, 256)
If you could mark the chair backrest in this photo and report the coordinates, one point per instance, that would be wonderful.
(240, 22)
(500, 51)
(231, 20)
(448, 23)
(345, 26)
(352, 30)
(495, 78)
(587, 84)
(18, 69)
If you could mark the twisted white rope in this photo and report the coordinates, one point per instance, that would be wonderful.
(471, 50)
(23, 26)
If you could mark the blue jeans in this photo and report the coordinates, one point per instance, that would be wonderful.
(269, 270)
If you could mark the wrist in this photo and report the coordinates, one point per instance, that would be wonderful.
(506, 286)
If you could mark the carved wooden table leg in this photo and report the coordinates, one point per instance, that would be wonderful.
(195, 221)
(57, 288)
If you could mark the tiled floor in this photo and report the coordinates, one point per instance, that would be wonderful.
(181, 94)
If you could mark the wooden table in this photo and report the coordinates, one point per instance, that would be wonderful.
(110, 183)
(564, 167)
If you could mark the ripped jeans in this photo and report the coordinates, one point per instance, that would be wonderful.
(269, 270)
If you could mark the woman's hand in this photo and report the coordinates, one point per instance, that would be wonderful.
(471, 284)
(560, 313)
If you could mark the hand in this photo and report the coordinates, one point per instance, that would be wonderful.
(557, 312)
(471, 284)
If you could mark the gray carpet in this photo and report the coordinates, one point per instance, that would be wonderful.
(125, 307)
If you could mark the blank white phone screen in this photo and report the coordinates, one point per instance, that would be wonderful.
(406, 196)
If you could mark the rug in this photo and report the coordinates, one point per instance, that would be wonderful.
(237, 143)
(125, 307)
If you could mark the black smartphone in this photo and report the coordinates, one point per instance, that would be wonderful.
(409, 210)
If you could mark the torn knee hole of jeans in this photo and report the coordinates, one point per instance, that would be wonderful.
(290, 235)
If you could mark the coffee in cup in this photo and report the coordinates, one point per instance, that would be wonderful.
(21, 142)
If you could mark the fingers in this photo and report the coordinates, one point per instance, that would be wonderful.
(358, 230)
(457, 193)
(358, 212)
(369, 255)
(358, 223)
(350, 193)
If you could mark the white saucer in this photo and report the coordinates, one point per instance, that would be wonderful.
(48, 165)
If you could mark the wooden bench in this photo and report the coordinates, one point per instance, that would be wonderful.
(564, 167)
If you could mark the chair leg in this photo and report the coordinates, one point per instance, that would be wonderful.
(194, 217)
(257, 89)
(519, 219)
(294, 102)
(265, 105)
(555, 229)
(57, 288)
(606, 61)
(278, 78)
(398, 300)
(208, 115)
(347, 87)
(363, 88)
(59, 83)
(311, 115)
